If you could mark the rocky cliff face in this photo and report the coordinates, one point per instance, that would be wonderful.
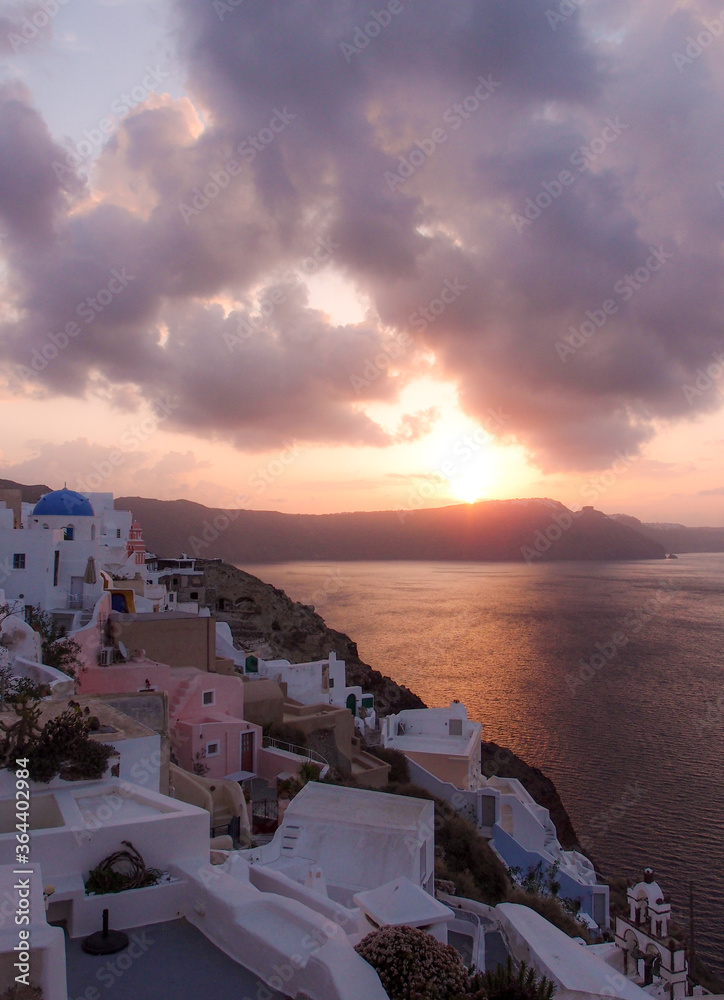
(265, 620)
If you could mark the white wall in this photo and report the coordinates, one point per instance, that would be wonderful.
(140, 760)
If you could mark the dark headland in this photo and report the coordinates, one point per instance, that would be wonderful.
(494, 531)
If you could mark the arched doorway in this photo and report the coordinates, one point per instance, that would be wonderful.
(352, 703)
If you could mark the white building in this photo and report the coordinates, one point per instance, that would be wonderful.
(443, 750)
(651, 955)
(261, 919)
(54, 554)
(357, 839)
(319, 682)
(441, 740)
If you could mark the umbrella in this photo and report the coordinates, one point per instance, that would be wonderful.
(90, 571)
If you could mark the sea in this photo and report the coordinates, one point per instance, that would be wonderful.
(607, 676)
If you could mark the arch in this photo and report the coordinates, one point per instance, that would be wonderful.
(631, 943)
(352, 703)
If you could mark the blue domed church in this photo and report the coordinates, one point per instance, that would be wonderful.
(68, 511)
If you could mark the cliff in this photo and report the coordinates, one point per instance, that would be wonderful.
(267, 620)
(497, 760)
(676, 537)
(500, 530)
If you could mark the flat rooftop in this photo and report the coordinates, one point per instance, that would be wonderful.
(123, 726)
(442, 743)
(173, 961)
(335, 804)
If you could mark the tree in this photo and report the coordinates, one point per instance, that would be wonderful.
(57, 649)
(62, 746)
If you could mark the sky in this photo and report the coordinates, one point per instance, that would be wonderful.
(321, 257)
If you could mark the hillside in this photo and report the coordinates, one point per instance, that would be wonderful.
(677, 538)
(499, 531)
(269, 622)
(29, 494)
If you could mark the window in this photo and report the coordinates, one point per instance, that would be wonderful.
(118, 532)
(331, 682)
(212, 749)
(56, 568)
(194, 595)
(208, 697)
(19, 560)
(68, 533)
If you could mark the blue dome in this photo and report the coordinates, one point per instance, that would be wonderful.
(64, 503)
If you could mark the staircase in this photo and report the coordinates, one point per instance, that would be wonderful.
(85, 617)
(178, 698)
(289, 838)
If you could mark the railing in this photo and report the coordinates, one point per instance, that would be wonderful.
(311, 755)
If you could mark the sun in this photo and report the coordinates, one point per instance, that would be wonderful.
(473, 484)
(476, 480)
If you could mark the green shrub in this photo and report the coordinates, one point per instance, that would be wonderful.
(413, 965)
(507, 984)
(57, 649)
(399, 768)
(465, 850)
(309, 771)
(552, 910)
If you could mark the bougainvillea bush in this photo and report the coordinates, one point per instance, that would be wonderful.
(413, 965)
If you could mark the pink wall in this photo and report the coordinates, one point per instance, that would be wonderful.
(189, 738)
(228, 694)
(270, 764)
(124, 678)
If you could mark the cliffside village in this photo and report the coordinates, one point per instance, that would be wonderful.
(263, 890)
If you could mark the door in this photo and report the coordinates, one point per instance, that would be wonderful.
(352, 704)
(247, 752)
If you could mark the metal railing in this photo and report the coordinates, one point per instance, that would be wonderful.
(310, 755)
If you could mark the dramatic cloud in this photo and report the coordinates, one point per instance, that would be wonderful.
(537, 198)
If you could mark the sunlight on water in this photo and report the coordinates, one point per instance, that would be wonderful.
(608, 676)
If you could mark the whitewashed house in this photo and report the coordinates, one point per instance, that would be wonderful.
(443, 750)
(319, 682)
(354, 838)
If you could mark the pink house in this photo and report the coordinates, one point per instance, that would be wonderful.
(205, 712)
(206, 721)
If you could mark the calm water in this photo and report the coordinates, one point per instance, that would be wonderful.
(632, 737)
